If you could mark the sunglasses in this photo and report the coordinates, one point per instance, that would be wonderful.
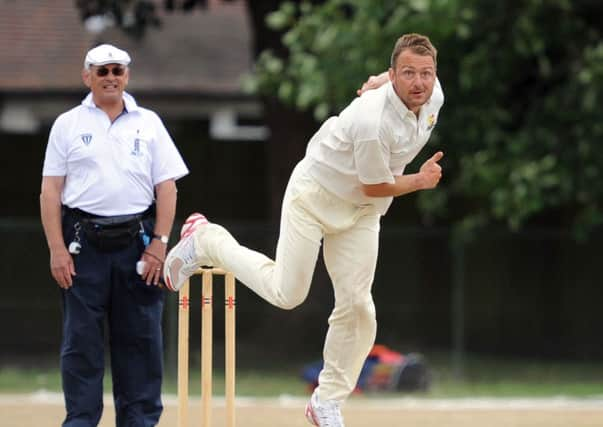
(116, 71)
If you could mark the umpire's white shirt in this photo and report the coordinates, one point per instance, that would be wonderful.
(111, 168)
(370, 142)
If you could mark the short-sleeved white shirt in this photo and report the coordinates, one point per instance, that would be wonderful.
(370, 142)
(111, 168)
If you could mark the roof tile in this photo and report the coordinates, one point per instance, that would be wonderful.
(43, 44)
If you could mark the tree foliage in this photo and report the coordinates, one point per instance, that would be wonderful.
(524, 88)
(134, 17)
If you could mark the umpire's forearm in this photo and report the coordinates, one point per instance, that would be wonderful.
(166, 194)
(50, 212)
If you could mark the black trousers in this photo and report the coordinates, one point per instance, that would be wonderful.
(107, 288)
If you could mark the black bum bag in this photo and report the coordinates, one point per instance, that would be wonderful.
(107, 236)
(109, 233)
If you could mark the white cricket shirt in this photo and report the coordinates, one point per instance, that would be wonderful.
(111, 168)
(370, 142)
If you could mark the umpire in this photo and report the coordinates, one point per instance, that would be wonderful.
(108, 201)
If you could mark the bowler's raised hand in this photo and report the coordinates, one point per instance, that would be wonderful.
(431, 171)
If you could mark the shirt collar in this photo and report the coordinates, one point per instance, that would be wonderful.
(400, 106)
(129, 102)
(396, 102)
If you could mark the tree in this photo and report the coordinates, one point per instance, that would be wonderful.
(523, 83)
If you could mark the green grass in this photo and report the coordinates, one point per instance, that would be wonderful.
(15, 380)
(482, 377)
(516, 378)
(516, 389)
(249, 383)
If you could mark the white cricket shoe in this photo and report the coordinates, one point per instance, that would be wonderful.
(182, 260)
(323, 413)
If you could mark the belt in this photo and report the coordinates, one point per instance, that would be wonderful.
(109, 220)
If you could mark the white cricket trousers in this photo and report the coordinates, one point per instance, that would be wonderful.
(350, 234)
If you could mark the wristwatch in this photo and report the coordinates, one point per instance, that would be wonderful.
(162, 239)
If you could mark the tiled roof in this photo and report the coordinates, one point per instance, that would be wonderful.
(43, 44)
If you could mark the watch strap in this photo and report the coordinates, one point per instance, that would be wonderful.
(162, 239)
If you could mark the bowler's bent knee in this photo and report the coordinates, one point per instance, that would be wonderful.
(291, 303)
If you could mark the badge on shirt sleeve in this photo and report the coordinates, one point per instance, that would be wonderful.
(431, 121)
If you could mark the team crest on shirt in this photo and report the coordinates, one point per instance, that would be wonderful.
(86, 138)
(431, 121)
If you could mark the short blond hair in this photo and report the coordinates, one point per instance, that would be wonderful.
(416, 43)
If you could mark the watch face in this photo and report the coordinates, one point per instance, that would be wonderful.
(163, 239)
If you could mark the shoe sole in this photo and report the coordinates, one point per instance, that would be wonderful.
(192, 223)
(168, 281)
(310, 415)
